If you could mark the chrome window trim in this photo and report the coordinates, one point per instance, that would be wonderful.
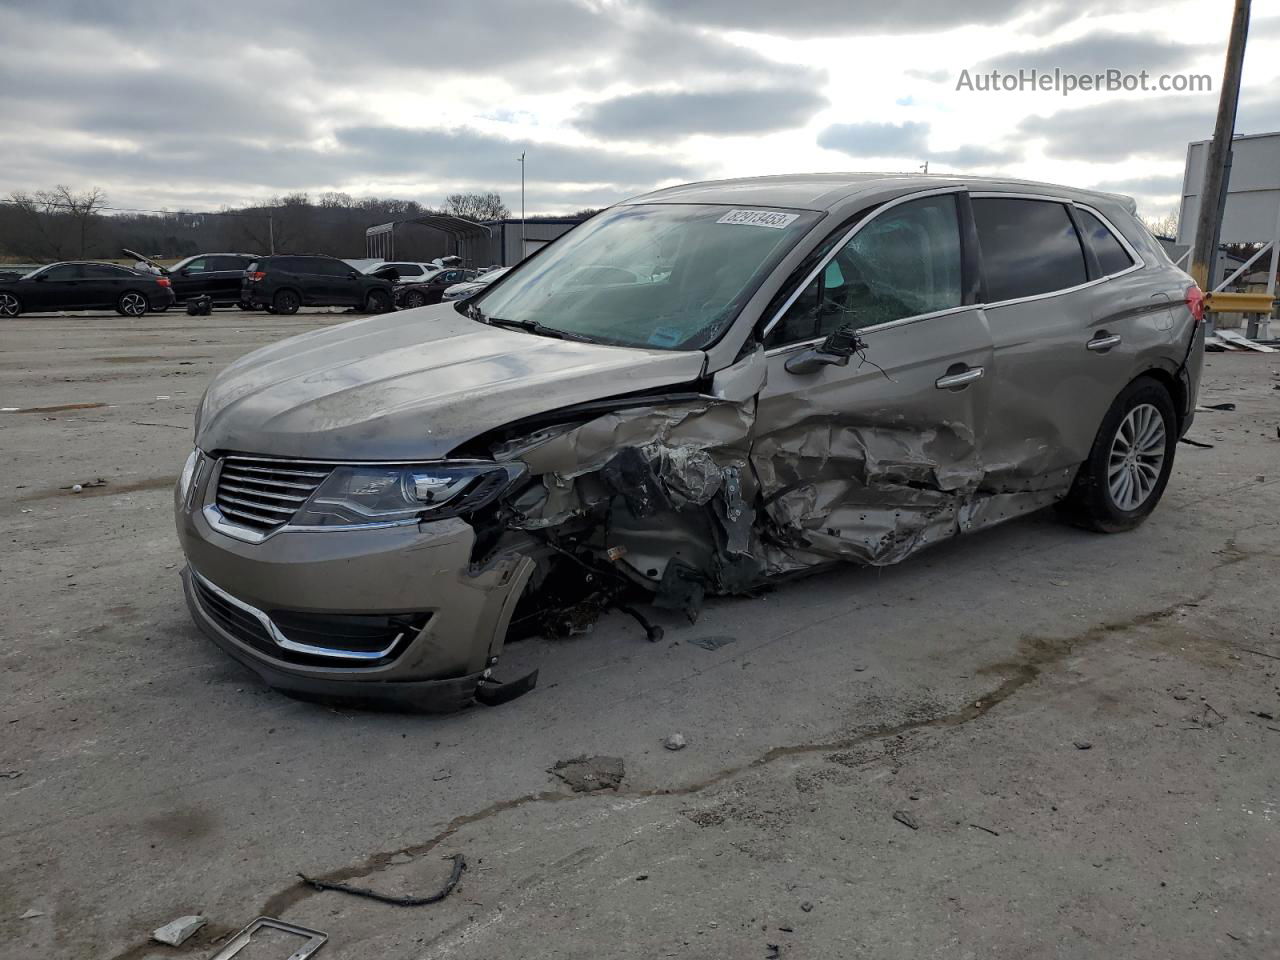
(280, 640)
(843, 242)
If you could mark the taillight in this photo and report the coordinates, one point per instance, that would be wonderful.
(163, 281)
(256, 276)
(1195, 302)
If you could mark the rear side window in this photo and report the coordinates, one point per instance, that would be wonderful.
(1111, 255)
(104, 271)
(64, 271)
(328, 268)
(1029, 247)
(407, 270)
(227, 263)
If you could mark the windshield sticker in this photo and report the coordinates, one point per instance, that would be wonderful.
(759, 218)
(666, 337)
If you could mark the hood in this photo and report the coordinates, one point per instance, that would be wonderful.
(412, 385)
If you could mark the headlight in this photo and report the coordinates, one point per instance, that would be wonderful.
(188, 475)
(389, 494)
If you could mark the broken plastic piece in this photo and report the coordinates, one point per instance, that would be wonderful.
(314, 939)
(176, 932)
(492, 692)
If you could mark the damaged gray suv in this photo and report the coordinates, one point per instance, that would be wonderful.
(694, 392)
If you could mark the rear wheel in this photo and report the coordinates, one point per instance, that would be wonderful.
(377, 302)
(285, 302)
(9, 305)
(414, 298)
(131, 304)
(1129, 465)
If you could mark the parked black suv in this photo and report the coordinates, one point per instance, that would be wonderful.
(218, 276)
(282, 284)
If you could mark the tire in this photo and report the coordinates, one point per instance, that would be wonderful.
(1130, 462)
(132, 304)
(378, 301)
(10, 305)
(414, 298)
(285, 302)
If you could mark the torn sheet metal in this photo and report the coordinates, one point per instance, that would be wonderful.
(698, 497)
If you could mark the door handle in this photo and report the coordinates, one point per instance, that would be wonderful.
(953, 380)
(1102, 343)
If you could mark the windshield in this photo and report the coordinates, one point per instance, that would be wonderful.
(665, 276)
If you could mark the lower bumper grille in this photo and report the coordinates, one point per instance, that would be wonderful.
(349, 640)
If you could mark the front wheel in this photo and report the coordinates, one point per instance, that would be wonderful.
(286, 302)
(1129, 465)
(131, 304)
(414, 298)
(377, 302)
(10, 306)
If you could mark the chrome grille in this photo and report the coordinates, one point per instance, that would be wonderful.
(265, 494)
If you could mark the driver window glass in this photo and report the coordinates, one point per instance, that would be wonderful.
(904, 263)
(67, 271)
(196, 266)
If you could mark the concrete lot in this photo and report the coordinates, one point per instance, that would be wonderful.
(1081, 728)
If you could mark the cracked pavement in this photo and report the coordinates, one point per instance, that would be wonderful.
(1080, 727)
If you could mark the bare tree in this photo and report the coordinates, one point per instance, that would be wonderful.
(82, 208)
(1166, 226)
(477, 206)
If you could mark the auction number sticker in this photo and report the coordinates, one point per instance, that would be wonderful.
(759, 218)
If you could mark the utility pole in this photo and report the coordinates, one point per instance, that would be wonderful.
(1217, 170)
(271, 233)
(521, 161)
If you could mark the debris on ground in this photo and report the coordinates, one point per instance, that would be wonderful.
(675, 742)
(1083, 744)
(176, 932)
(10, 774)
(314, 938)
(978, 826)
(585, 774)
(77, 487)
(773, 951)
(31, 914)
(807, 907)
(906, 819)
(713, 643)
(459, 865)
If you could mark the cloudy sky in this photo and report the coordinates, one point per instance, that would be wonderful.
(189, 106)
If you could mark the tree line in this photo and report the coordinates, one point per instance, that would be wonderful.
(65, 224)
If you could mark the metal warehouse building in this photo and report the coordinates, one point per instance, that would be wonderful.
(494, 243)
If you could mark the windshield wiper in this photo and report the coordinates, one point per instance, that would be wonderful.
(534, 327)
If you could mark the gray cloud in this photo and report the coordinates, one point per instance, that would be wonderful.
(653, 115)
(1153, 186)
(1156, 127)
(877, 139)
(1097, 52)
(819, 18)
(968, 157)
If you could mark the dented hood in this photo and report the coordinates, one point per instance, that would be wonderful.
(412, 385)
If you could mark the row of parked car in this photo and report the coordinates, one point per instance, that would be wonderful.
(278, 284)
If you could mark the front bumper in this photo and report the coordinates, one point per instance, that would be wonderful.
(420, 571)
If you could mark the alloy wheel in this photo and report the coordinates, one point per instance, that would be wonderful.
(133, 304)
(9, 306)
(1137, 457)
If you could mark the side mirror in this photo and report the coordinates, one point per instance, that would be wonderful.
(835, 350)
(353, 275)
(40, 278)
(185, 271)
